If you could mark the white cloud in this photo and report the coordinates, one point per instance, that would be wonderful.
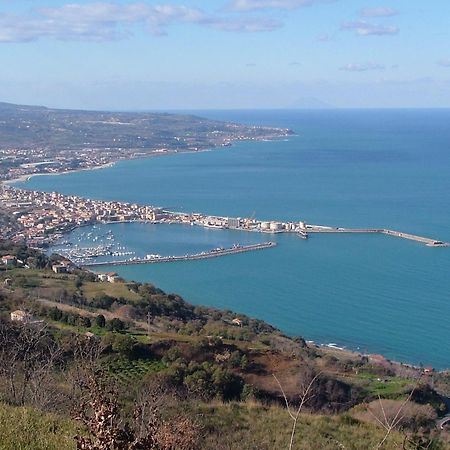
(109, 21)
(256, 5)
(244, 25)
(362, 28)
(362, 67)
(379, 12)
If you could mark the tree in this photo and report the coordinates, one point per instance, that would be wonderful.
(99, 411)
(78, 282)
(100, 321)
(28, 356)
(244, 362)
(123, 344)
(235, 359)
(116, 324)
(41, 261)
(55, 314)
(85, 322)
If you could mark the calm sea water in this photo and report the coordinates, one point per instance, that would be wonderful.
(347, 168)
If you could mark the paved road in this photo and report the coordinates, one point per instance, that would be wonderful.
(443, 421)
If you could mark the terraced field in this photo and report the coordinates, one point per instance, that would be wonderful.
(127, 371)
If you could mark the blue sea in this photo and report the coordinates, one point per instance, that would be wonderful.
(355, 168)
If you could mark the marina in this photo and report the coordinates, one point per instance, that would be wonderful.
(217, 252)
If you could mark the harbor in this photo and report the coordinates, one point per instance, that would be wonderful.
(214, 253)
(44, 218)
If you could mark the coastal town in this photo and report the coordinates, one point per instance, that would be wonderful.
(41, 219)
(44, 217)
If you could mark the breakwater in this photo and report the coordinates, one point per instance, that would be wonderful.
(412, 237)
(203, 255)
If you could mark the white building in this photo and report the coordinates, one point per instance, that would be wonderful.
(276, 226)
(112, 277)
(233, 222)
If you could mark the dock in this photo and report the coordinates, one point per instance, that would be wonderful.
(412, 237)
(203, 255)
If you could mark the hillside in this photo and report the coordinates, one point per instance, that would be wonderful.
(35, 139)
(87, 343)
(229, 426)
(34, 127)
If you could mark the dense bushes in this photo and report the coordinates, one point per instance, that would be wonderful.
(75, 319)
(205, 380)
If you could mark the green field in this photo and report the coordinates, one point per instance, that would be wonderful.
(116, 290)
(128, 371)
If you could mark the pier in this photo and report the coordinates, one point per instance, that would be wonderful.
(203, 255)
(412, 237)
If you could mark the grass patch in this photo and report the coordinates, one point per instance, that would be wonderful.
(29, 429)
(385, 387)
(392, 388)
(236, 426)
(116, 290)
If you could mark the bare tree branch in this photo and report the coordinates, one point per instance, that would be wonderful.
(304, 396)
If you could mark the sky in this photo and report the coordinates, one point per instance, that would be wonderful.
(225, 54)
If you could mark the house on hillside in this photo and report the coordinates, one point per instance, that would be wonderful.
(59, 268)
(237, 322)
(102, 277)
(9, 260)
(112, 277)
(62, 267)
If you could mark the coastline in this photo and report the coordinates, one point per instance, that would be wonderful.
(24, 178)
(168, 153)
(153, 154)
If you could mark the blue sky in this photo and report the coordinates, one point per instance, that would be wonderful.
(225, 53)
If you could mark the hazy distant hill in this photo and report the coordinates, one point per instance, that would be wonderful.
(27, 127)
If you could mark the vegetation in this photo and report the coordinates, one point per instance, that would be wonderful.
(26, 428)
(126, 348)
